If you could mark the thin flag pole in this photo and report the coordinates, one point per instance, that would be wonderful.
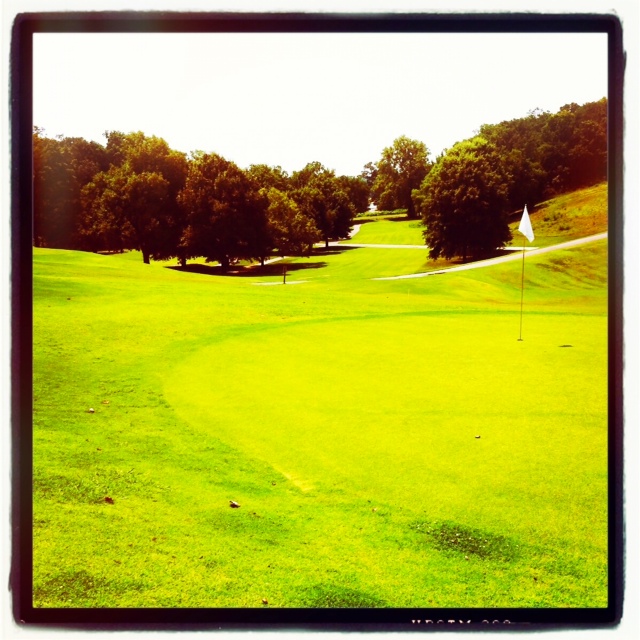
(522, 289)
(525, 229)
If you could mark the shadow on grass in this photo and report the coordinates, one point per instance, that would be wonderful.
(275, 269)
(272, 269)
(445, 263)
(333, 250)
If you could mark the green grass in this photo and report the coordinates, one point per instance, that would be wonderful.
(573, 215)
(342, 415)
(390, 232)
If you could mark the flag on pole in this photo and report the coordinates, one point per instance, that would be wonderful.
(525, 225)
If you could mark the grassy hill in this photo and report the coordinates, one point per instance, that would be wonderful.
(566, 217)
(342, 414)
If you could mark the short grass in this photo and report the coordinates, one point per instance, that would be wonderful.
(342, 414)
(390, 232)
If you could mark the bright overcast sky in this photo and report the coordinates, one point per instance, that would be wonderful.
(289, 99)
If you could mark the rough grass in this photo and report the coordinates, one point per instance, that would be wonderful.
(572, 215)
(341, 414)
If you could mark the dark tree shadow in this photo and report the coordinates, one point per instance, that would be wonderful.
(205, 269)
(273, 269)
(333, 250)
(276, 268)
(442, 263)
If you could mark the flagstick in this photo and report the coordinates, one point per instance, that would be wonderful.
(522, 290)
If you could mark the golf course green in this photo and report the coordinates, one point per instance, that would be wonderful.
(390, 443)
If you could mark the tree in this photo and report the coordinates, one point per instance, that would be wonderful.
(133, 203)
(401, 169)
(357, 192)
(369, 174)
(137, 194)
(104, 226)
(291, 232)
(550, 153)
(62, 166)
(588, 153)
(321, 197)
(464, 202)
(225, 214)
(518, 142)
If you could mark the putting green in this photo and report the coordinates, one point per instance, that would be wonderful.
(389, 408)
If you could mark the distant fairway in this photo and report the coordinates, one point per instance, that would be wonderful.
(341, 414)
(390, 232)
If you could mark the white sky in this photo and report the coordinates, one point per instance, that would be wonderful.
(289, 99)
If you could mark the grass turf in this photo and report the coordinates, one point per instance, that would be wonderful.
(390, 232)
(341, 414)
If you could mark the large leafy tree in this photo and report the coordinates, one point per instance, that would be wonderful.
(62, 167)
(225, 213)
(550, 153)
(137, 194)
(322, 197)
(357, 191)
(104, 225)
(464, 202)
(574, 150)
(290, 231)
(401, 169)
(369, 174)
(132, 203)
(518, 142)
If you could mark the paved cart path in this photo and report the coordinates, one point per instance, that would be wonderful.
(515, 255)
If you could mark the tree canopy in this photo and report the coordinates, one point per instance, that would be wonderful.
(290, 231)
(136, 192)
(319, 194)
(225, 214)
(401, 169)
(61, 168)
(464, 201)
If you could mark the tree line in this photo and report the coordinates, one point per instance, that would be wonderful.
(136, 192)
(470, 192)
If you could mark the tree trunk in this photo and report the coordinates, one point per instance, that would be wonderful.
(183, 261)
(145, 256)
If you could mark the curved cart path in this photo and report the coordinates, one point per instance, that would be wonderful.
(516, 255)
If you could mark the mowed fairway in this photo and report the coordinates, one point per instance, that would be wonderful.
(391, 443)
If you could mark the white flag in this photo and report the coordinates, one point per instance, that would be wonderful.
(525, 225)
